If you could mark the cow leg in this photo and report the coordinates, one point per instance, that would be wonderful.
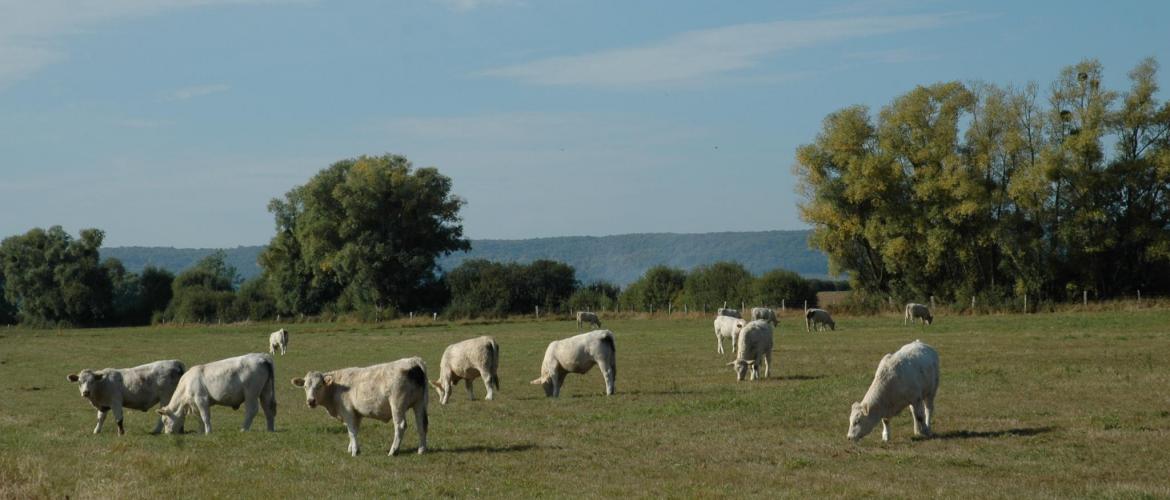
(928, 408)
(767, 364)
(399, 419)
(101, 419)
(558, 381)
(420, 421)
(268, 404)
(353, 423)
(885, 429)
(470, 391)
(117, 409)
(719, 343)
(204, 408)
(488, 382)
(282, 349)
(251, 406)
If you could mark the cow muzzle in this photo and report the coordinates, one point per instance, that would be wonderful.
(85, 394)
(312, 403)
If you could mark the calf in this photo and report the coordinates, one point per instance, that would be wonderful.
(755, 348)
(382, 392)
(243, 380)
(578, 355)
(278, 339)
(908, 377)
(138, 388)
(467, 361)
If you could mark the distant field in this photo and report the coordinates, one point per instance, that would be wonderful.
(1047, 405)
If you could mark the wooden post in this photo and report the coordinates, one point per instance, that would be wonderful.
(537, 311)
(972, 304)
(1139, 301)
(670, 308)
(685, 309)
(742, 308)
(434, 316)
(1085, 298)
(782, 308)
(932, 302)
(411, 314)
(1025, 303)
(805, 304)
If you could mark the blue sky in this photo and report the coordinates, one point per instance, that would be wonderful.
(174, 122)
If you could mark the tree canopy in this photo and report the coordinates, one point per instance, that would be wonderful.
(956, 190)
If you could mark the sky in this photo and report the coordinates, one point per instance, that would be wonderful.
(174, 122)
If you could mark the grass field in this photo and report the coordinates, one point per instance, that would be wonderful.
(1053, 405)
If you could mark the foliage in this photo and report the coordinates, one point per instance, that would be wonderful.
(53, 279)
(362, 233)
(204, 293)
(780, 286)
(494, 289)
(711, 286)
(656, 289)
(960, 190)
(596, 296)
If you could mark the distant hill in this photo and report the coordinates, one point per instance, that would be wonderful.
(619, 259)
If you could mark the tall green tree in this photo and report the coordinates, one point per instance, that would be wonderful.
(717, 283)
(52, 278)
(656, 289)
(364, 233)
(780, 286)
(204, 293)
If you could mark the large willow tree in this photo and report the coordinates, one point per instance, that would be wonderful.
(956, 190)
(363, 233)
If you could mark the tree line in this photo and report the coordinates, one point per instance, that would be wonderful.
(964, 190)
(361, 238)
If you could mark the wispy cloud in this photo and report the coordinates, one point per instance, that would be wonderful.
(31, 32)
(194, 91)
(470, 5)
(893, 56)
(695, 56)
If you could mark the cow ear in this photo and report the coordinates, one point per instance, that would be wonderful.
(328, 379)
(299, 382)
(537, 381)
(731, 363)
(73, 377)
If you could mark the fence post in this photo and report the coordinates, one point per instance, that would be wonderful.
(805, 304)
(725, 304)
(685, 309)
(1139, 301)
(411, 314)
(434, 316)
(537, 311)
(742, 307)
(1025, 303)
(782, 308)
(932, 302)
(1084, 298)
(972, 305)
(670, 308)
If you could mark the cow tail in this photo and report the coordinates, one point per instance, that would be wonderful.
(269, 389)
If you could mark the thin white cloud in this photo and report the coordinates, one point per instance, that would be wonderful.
(893, 56)
(194, 91)
(696, 56)
(31, 32)
(470, 5)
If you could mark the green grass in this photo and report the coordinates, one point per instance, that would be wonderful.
(1053, 405)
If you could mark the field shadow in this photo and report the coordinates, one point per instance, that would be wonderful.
(799, 377)
(1018, 432)
(486, 449)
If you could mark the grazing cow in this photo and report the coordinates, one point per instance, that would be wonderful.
(588, 317)
(578, 354)
(467, 361)
(723, 311)
(381, 392)
(278, 339)
(818, 319)
(138, 388)
(727, 327)
(908, 377)
(755, 348)
(917, 311)
(243, 380)
(765, 314)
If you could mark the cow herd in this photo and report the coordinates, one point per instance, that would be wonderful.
(386, 392)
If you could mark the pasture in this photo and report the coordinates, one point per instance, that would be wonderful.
(1053, 405)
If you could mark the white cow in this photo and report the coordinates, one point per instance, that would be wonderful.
(755, 348)
(243, 380)
(908, 377)
(727, 327)
(765, 314)
(278, 339)
(138, 388)
(723, 311)
(917, 311)
(578, 354)
(588, 317)
(818, 319)
(467, 361)
(381, 392)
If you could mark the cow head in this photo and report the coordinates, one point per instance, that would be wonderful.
(860, 422)
(545, 381)
(87, 381)
(173, 418)
(315, 384)
(443, 389)
(741, 368)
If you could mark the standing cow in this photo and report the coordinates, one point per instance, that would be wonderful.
(754, 349)
(278, 340)
(917, 311)
(578, 354)
(138, 388)
(243, 380)
(381, 392)
(906, 378)
(818, 319)
(467, 361)
(727, 327)
(585, 317)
